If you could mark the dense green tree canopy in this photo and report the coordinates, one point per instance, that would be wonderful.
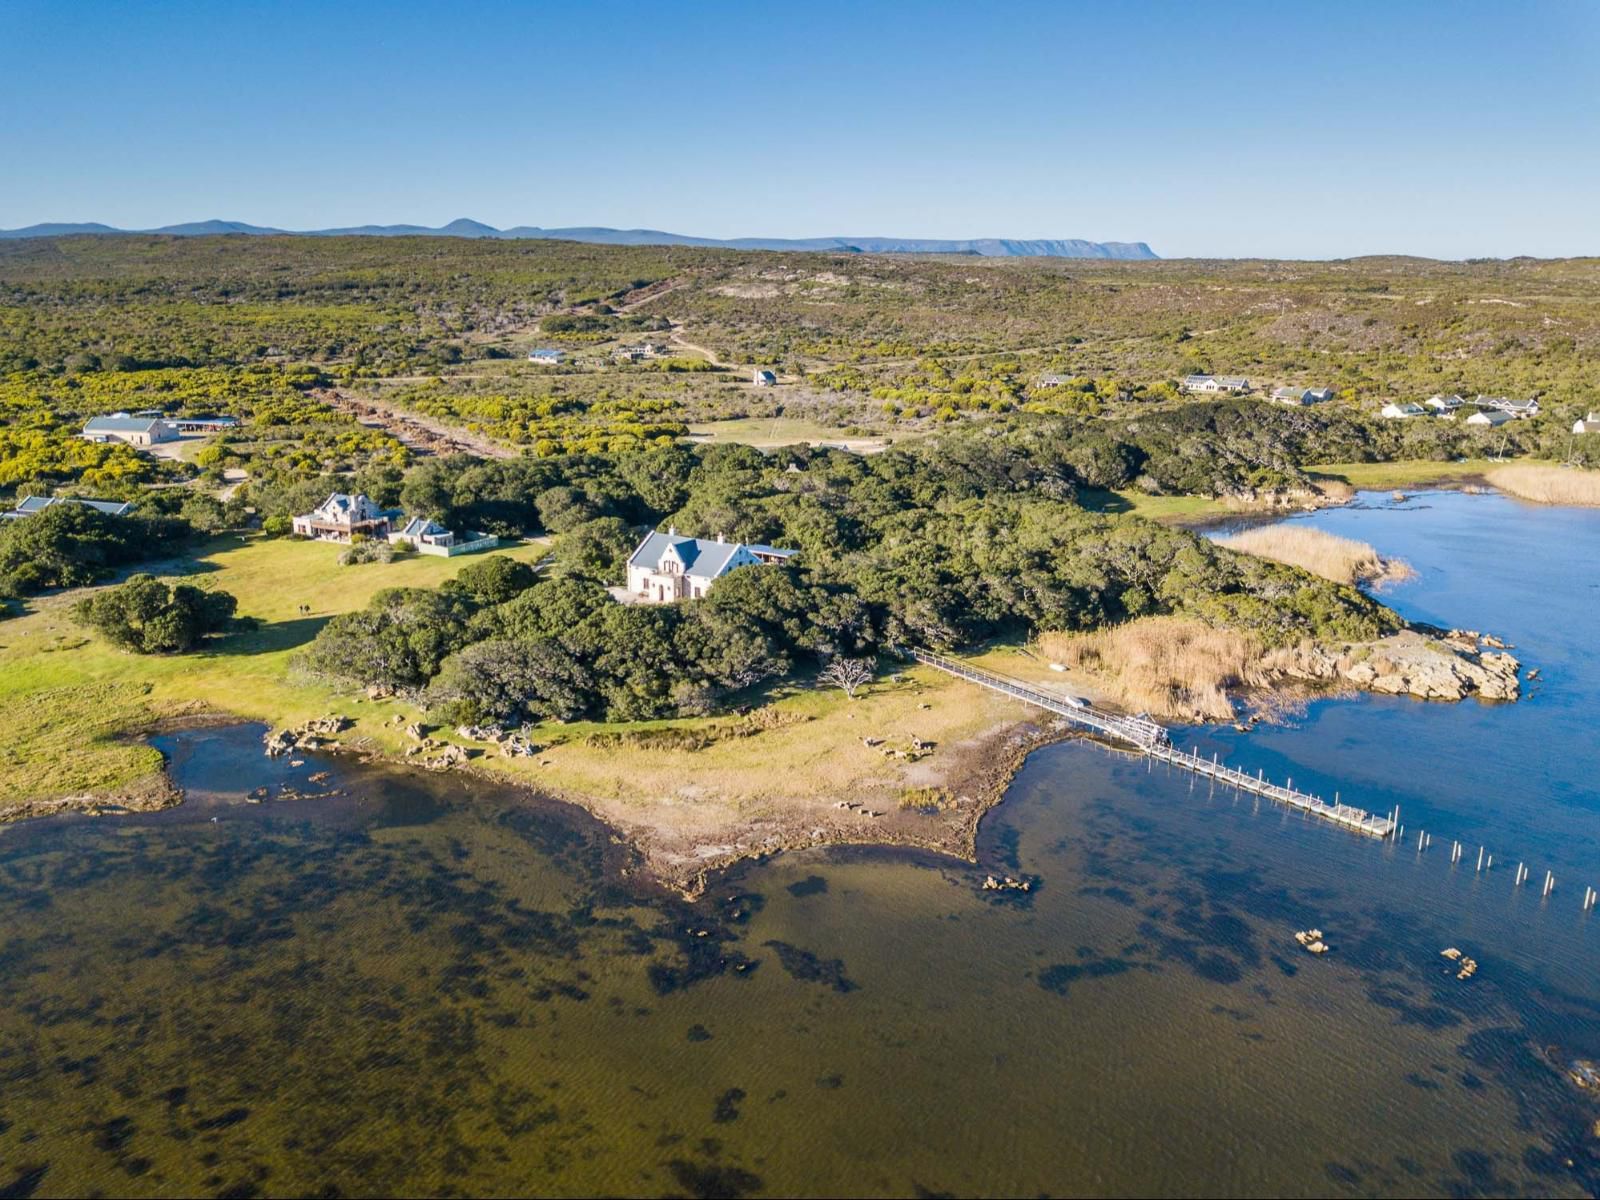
(150, 616)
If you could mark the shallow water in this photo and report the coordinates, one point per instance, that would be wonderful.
(427, 986)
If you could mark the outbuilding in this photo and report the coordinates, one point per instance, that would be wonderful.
(37, 504)
(134, 431)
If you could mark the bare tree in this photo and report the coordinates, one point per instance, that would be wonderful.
(848, 674)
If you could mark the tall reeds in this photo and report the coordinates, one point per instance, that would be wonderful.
(1166, 666)
(1548, 485)
(1341, 559)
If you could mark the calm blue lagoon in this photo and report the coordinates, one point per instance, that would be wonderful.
(427, 985)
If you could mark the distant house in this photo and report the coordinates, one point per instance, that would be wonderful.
(1301, 396)
(666, 567)
(1051, 381)
(37, 504)
(1516, 408)
(638, 351)
(1444, 405)
(135, 431)
(764, 379)
(429, 537)
(547, 358)
(341, 517)
(1490, 417)
(1402, 412)
(1589, 424)
(1204, 385)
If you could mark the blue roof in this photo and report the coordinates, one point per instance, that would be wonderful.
(423, 527)
(34, 504)
(121, 424)
(701, 557)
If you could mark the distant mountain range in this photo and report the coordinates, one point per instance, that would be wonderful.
(989, 247)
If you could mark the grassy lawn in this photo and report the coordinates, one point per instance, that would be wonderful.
(1170, 509)
(1378, 477)
(821, 756)
(71, 696)
(1411, 473)
(75, 703)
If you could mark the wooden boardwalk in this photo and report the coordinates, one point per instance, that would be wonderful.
(1149, 737)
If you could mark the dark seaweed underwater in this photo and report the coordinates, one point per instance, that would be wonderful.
(409, 985)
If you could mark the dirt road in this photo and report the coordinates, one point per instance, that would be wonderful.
(426, 435)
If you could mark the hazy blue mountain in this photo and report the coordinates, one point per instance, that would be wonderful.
(994, 247)
(208, 228)
(464, 227)
(57, 229)
(460, 227)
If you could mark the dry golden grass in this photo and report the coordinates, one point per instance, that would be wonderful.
(1166, 666)
(1549, 485)
(1341, 559)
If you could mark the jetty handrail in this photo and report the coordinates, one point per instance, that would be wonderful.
(1141, 731)
(1150, 737)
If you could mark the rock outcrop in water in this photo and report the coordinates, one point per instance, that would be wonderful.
(1412, 664)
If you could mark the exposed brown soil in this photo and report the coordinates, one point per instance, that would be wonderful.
(421, 433)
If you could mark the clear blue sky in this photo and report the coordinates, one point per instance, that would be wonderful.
(1296, 129)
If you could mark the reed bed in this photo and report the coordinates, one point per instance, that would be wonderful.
(1341, 559)
(1166, 666)
(1549, 485)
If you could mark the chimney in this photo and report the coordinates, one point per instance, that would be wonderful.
(719, 537)
(672, 531)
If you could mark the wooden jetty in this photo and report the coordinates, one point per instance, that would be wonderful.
(1151, 738)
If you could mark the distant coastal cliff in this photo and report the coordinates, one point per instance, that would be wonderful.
(466, 228)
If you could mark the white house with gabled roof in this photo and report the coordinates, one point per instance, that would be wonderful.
(1210, 385)
(341, 517)
(667, 567)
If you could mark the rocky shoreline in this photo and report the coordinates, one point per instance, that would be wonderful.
(1459, 664)
(941, 815)
(974, 780)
